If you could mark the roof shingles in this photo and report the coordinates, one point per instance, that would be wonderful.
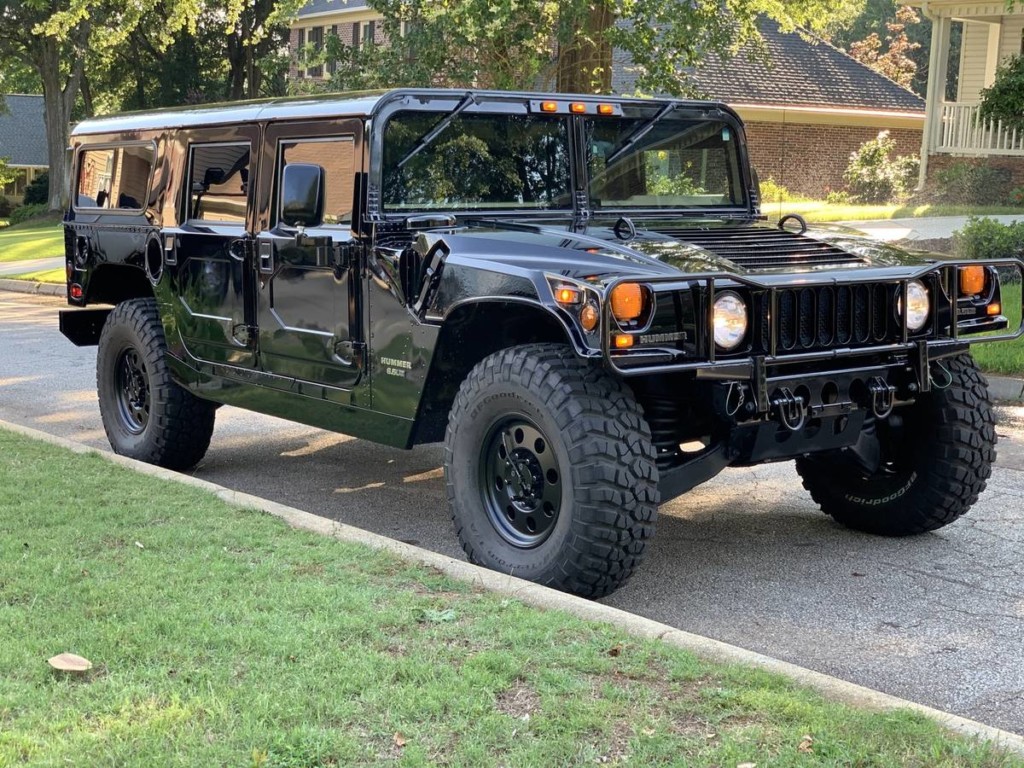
(326, 6)
(23, 131)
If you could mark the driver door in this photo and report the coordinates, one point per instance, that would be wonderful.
(309, 297)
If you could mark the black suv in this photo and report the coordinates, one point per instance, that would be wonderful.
(578, 294)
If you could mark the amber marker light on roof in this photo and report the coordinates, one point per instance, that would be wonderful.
(972, 280)
(605, 109)
(578, 107)
(549, 106)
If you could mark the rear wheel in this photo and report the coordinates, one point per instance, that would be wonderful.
(550, 470)
(146, 415)
(934, 459)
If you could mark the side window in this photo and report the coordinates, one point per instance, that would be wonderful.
(114, 177)
(218, 182)
(336, 156)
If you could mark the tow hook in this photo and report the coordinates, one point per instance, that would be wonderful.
(882, 397)
(790, 409)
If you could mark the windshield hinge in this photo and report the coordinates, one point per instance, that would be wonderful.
(581, 211)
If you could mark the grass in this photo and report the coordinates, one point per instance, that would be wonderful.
(822, 212)
(36, 239)
(41, 276)
(221, 637)
(1004, 357)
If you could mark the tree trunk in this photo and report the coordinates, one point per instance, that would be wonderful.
(585, 62)
(59, 95)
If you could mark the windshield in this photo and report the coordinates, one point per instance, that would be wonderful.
(477, 162)
(677, 163)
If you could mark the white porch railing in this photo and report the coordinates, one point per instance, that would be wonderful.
(963, 131)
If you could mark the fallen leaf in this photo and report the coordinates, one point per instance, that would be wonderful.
(399, 739)
(806, 744)
(746, 765)
(648, 731)
(69, 662)
(615, 650)
(139, 545)
(857, 573)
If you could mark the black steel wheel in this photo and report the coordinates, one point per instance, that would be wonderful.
(550, 470)
(522, 482)
(933, 459)
(146, 414)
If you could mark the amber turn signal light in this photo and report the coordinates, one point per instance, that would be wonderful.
(589, 316)
(993, 308)
(972, 280)
(623, 341)
(567, 294)
(627, 301)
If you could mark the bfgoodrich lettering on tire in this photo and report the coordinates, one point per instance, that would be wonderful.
(145, 414)
(550, 470)
(936, 456)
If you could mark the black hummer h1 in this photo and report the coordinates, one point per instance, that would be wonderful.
(577, 294)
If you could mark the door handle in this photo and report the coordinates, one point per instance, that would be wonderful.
(170, 250)
(266, 256)
(237, 249)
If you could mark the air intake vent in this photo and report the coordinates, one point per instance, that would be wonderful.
(766, 248)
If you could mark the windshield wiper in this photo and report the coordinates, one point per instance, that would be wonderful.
(641, 131)
(428, 138)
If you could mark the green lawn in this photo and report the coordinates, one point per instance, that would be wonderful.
(37, 239)
(221, 637)
(1004, 357)
(820, 211)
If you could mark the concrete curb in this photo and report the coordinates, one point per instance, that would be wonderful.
(543, 597)
(28, 286)
(1006, 388)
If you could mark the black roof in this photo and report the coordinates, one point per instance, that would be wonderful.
(802, 70)
(326, 6)
(23, 130)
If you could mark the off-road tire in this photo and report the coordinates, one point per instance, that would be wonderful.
(947, 454)
(602, 444)
(176, 427)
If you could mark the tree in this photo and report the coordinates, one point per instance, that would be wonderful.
(1003, 101)
(895, 62)
(566, 45)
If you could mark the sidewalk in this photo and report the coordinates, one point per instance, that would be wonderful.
(925, 228)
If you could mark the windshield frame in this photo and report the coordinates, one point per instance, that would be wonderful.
(519, 103)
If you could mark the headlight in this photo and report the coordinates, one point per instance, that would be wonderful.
(918, 305)
(730, 320)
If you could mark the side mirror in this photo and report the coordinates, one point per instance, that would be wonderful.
(302, 195)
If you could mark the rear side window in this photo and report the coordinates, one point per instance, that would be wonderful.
(336, 155)
(116, 178)
(218, 182)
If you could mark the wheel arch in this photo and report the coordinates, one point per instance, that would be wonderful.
(114, 283)
(471, 331)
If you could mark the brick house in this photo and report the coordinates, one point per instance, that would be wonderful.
(22, 141)
(806, 110)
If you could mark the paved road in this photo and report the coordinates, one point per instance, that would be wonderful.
(31, 265)
(746, 558)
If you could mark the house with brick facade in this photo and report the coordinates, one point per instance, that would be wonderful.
(807, 104)
(954, 132)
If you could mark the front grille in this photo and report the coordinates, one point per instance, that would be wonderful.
(813, 318)
(766, 248)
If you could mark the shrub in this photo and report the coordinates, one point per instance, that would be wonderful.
(23, 213)
(773, 192)
(1004, 99)
(838, 197)
(874, 175)
(967, 183)
(1017, 196)
(5, 207)
(985, 238)
(38, 191)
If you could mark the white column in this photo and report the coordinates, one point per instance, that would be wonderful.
(935, 94)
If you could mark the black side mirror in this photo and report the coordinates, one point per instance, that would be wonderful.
(302, 195)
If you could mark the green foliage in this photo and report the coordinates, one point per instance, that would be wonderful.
(7, 174)
(968, 182)
(38, 190)
(838, 197)
(874, 175)
(1004, 99)
(25, 212)
(773, 192)
(5, 207)
(985, 238)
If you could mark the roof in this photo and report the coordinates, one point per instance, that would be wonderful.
(23, 131)
(802, 70)
(317, 7)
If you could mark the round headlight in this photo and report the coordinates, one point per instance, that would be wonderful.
(730, 320)
(918, 305)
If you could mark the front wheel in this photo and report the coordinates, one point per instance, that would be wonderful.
(550, 470)
(146, 415)
(935, 457)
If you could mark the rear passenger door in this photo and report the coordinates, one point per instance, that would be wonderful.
(212, 250)
(308, 307)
